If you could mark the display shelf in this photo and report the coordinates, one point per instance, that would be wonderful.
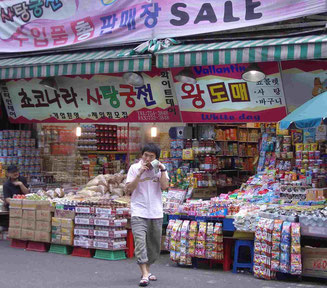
(106, 152)
(253, 142)
(227, 155)
(249, 127)
(228, 170)
(226, 140)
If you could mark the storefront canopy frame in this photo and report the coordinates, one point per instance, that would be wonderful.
(82, 63)
(282, 49)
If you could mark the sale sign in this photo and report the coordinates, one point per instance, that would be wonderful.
(221, 95)
(96, 98)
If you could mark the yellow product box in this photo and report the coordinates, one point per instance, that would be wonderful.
(28, 234)
(14, 233)
(43, 226)
(56, 221)
(67, 223)
(15, 212)
(42, 236)
(67, 231)
(165, 154)
(67, 240)
(314, 146)
(29, 204)
(188, 154)
(28, 224)
(15, 222)
(16, 203)
(299, 146)
(29, 215)
(43, 215)
(284, 132)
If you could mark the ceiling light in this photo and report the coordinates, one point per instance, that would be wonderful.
(154, 131)
(186, 76)
(49, 82)
(78, 131)
(133, 79)
(253, 74)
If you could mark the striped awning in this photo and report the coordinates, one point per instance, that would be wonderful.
(295, 48)
(82, 63)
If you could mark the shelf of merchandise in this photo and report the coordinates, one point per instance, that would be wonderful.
(251, 142)
(106, 152)
(227, 155)
(226, 140)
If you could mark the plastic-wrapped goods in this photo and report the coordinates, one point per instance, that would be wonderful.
(184, 243)
(168, 234)
(175, 241)
(201, 241)
(218, 236)
(296, 263)
(192, 238)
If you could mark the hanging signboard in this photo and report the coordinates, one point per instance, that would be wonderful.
(39, 25)
(97, 98)
(303, 80)
(220, 95)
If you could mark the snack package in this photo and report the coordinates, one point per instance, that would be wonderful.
(296, 264)
(275, 265)
(296, 249)
(193, 230)
(202, 231)
(286, 232)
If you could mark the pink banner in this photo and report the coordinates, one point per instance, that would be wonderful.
(39, 25)
(221, 96)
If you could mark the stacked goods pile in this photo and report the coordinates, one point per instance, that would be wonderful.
(62, 231)
(186, 240)
(101, 225)
(30, 219)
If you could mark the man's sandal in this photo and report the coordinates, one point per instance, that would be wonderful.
(144, 282)
(152, 277)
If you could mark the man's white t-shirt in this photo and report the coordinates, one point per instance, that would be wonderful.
(146, 199)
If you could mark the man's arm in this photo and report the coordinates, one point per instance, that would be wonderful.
(21, 186)
(7, 200)
(164, 180)
(132, 185)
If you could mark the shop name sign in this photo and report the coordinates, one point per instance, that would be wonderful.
(39, 25)
(97, 98)
(220, 95)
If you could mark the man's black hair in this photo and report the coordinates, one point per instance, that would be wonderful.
(153, 148)
(12, 169)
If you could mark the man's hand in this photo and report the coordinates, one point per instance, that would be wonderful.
(143, 168)
(161, 166)
(17, 183)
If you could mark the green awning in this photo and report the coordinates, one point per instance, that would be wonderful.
(295, 48)
(82, 63)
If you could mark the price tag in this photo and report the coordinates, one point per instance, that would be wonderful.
(101, 233)
(84, 221)
(101, 222)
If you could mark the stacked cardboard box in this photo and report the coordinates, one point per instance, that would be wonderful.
(30, 220)
(63, 227)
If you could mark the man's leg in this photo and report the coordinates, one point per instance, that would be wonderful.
(153, 240)
(139, 229)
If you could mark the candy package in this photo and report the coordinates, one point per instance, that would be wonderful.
(296, 249)
(286, 233)
(275, 265)
(202, 231)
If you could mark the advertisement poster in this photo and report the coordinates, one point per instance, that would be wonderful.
(97, 98)
(39, 25)
(303, 80)
(222, 96)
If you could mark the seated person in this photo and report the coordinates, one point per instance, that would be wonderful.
(14, 185)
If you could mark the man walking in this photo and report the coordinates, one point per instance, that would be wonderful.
(145, 184)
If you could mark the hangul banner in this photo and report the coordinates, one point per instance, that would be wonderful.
(46, 24)
(221, 95)
(97, 98)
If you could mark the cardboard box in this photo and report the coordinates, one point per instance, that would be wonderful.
(15, 222)
(56, 221)
(15, 203)
(42, 236)
(55, 238)
(15, 212)
(314, 262)
(67, 223)
(67, 240)
(28, 224)
(28, 234)
(29, 204)
(43, 226)
(65, 214)
(14, 233)
(43, 215)
(29, 214)
(43, 205)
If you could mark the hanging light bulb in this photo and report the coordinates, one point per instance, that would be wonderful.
(154, 131)
(253, 74)
(78, 131)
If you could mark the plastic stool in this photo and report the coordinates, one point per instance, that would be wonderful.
(236, 264)
(20, 244)
(82, 252)
(37, 246)
(130, 244)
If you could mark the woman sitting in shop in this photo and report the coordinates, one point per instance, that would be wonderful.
(15, 185)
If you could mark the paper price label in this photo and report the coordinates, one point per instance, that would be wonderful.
(101, 233)
(84, 221)
(101, 222)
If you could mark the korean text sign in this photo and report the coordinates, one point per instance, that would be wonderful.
(221, 95)
(98, 98)
(44, 24)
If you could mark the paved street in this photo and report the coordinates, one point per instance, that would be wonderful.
(25, 269)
